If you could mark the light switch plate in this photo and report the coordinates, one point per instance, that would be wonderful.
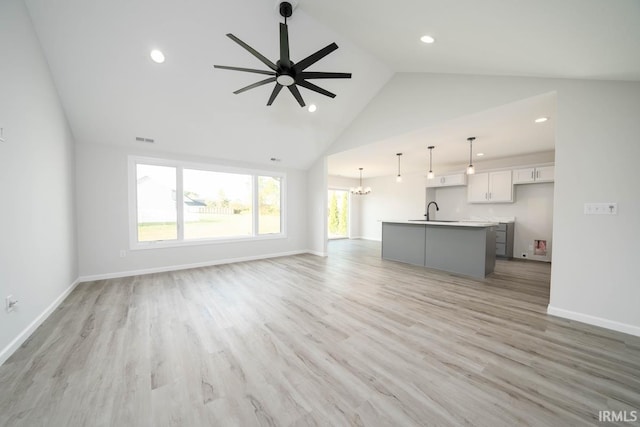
(609, 208)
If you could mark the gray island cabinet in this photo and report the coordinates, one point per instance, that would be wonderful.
(467, 248)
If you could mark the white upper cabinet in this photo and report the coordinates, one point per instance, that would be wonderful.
(531, 175)
(490, 187)
(447, 180)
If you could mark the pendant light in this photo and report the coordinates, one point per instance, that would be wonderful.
(430, 174)
(399, 177)
(470, 169)
(360, 191)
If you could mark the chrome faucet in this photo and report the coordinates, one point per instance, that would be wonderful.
(428, 206)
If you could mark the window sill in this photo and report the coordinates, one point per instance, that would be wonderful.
(160, 244)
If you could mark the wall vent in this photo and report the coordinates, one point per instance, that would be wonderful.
(141, 139)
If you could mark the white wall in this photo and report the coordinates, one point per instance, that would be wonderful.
(596, 258)
(594, 273)
(391, 200)
(343, 183)
(38, 237)
(316, 199)
(103, 218)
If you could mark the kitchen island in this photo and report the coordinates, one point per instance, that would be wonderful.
(467, 248)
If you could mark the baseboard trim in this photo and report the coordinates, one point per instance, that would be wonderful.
(318, 253)
(594, 320)
(129, 273)
(26, 333)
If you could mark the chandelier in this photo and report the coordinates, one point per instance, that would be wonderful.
(359, 190)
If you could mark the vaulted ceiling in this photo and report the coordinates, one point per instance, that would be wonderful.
(98, 52)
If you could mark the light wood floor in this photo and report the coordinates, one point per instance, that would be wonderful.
(302, 340)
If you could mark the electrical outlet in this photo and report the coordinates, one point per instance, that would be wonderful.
(123, 253)
(10, 303)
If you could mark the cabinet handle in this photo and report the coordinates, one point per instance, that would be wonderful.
(489, 196)
(486, 196)
(531, 174)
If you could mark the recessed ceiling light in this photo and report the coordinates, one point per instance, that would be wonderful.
(427, 39)
(541, 119)
(480, 154)
(157, 56)
(313, 108)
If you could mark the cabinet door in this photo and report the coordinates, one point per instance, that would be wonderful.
(478, 188)
(457, 179)
(446, 180)
(500, 187)
(436, 181)
(523, 176)
(545, 174)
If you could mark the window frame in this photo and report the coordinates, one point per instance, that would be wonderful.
(180, 166)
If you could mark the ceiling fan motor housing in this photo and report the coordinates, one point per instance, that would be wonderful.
(286, 9)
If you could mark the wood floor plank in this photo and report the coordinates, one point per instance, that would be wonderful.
(349, 340)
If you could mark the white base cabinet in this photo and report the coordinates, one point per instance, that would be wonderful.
(490, 187)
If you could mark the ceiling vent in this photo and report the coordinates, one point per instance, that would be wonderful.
(149, 140)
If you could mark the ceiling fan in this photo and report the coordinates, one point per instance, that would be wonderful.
(285, 72)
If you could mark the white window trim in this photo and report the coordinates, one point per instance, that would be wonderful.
(134, 244)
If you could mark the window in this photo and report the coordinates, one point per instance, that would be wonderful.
(338, 214)
(217, 204)
(269, 198)
(174, 203)
(156, 199)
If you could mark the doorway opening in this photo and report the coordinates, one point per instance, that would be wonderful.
(338, 214)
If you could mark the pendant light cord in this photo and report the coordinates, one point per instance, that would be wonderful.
(430, 159)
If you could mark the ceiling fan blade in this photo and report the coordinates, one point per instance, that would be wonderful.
(296, 94)
(315, 57)
(276, 91)
(315, 88)
(260, 83)
(246, 70)
(284, 45)
(253, 52)
(322, 75)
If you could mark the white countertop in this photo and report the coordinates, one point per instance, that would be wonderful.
(450, 224)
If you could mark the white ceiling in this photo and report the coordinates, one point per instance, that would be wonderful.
(596, 39)
(501, 132)
(112, 92)
(98, 52)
